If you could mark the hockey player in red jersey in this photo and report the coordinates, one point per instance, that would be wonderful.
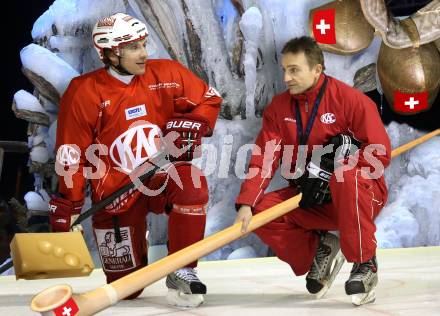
(121, 109)
(343, 190)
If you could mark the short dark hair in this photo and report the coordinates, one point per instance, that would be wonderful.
(308, 46)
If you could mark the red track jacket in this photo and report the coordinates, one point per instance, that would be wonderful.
(343, 109)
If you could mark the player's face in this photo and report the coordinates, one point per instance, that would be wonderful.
(133, 57)
(298, 75)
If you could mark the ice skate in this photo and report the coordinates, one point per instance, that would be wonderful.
(326, 265)
(363, 279)
(184, 288)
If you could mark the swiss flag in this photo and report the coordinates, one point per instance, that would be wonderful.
(68, 309)
(324, 26)
(410, 102)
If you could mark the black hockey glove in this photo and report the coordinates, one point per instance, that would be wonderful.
(343, 146)
(314, 184)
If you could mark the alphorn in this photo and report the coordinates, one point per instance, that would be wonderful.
(89, 303)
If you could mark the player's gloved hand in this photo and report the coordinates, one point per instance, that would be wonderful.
(189, 129)
(343, 146)
(314, 184)
(62, 213)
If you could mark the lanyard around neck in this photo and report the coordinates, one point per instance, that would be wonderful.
(303, 138)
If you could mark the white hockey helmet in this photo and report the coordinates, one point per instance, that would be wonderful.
(116, 30)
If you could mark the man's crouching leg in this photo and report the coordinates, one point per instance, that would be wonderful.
(186, 226)
(122, 250)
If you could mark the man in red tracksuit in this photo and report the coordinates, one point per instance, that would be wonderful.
(343, 190)
(121, 110)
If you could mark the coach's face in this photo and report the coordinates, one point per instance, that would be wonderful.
(298, 75)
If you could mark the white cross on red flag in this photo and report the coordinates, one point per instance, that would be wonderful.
(67, 309)
(410, 102)
(324, 26)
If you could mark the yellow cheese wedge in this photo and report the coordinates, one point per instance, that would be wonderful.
(50, 255)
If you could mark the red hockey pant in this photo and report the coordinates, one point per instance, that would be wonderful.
(186, 224)
(355, 204)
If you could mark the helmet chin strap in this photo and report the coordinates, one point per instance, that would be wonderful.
(121, 69)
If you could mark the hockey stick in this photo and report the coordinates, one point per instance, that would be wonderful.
(414, 143)
(154, 165)
(142, 173)
(59, 297)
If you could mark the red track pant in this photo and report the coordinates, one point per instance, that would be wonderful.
(355, 204)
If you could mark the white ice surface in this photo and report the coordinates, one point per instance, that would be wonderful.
(409, 284)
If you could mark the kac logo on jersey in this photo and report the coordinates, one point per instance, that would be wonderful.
(68, 155)
(135, 111)
(328, 118)
(135, 146)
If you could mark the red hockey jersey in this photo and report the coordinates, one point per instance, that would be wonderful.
(123, 119)
(343, 109)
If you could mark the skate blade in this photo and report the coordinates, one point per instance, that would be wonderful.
(179, 299)
(363, 298)
(337, 265)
